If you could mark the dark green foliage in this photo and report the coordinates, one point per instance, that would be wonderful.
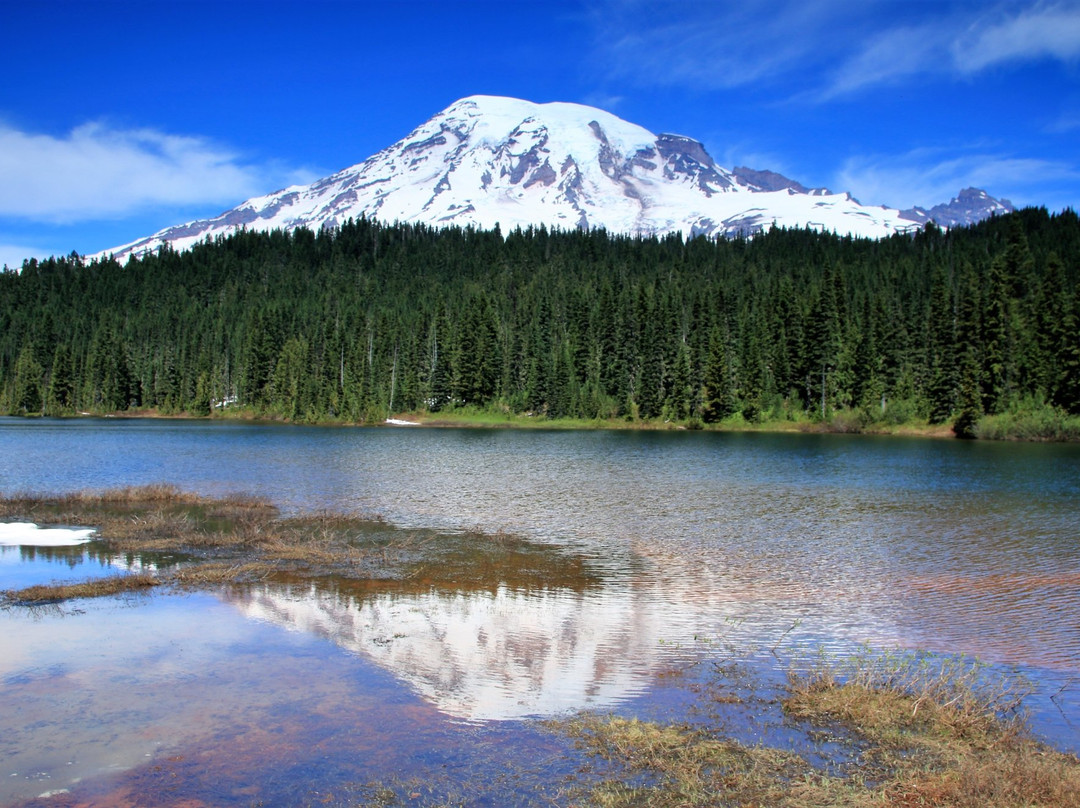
(27, 399)
(61, 396)
(941, 338)
(354, 324)
(717, 399)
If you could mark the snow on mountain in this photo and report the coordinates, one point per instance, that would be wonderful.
(971, 206)
(487, 160)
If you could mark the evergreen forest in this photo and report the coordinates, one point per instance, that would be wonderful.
(370, 319)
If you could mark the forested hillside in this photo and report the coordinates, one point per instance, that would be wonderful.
(370, 319)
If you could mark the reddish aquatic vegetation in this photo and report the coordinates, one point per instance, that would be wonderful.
(1001, 583)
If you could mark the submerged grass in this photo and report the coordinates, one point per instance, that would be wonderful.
(921, 731)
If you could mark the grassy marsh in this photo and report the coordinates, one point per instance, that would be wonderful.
(241, 539)
(915, 731)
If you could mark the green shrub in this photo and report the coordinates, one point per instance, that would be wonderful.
(1030, 419)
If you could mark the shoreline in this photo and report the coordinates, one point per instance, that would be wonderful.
(488, 420)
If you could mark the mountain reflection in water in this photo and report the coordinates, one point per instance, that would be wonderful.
(484, 655)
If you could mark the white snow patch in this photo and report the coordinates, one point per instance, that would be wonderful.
(27, 534)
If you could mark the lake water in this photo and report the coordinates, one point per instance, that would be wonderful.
(691, 541)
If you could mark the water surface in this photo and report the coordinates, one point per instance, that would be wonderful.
(686, 540)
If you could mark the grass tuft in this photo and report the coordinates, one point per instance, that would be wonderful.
(888, 695)
(93, 588)
(659, 764)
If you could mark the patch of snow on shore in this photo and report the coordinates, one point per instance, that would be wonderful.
(27, 534)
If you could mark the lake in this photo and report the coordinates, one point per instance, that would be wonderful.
(688, 542)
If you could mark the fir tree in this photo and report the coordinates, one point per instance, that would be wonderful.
(28, 373)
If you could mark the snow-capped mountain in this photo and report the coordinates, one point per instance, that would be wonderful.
(488, 160)
(971, 206)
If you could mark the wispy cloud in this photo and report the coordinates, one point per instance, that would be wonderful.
(888, 57)
(98, 172)
(825, 48)
(1041, 31)
(1068, 121)
(748, 153)
(709, 45)
(960, 42)
(606, 101)
(925, 177)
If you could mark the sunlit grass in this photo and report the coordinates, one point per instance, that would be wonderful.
(94, 588)
(921, 730)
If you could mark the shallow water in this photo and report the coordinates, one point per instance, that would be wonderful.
(688, 543)
(21, 567)
(131, 695)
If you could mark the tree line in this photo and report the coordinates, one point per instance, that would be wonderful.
(372, 318)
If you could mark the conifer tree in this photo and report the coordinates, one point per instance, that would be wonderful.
(716, 394)
(997, 356)
(679, 398)
(941, 347)
(28, 373)
(558, 321)
(970, 396)
(61, 395)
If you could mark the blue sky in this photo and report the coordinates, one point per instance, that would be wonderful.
(120, 118)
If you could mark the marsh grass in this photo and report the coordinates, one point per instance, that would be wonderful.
(145, 518)
(942, 731)
(657, 764)
(97, 587)
(240, 539)
(958, 696)
(919, 731)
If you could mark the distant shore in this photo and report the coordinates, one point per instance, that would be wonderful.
(1040, 425)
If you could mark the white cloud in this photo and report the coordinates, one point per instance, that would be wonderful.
(826, 47)
(1035, 33)
(923, 177)
(98, 172)
(711, 45)
(747, 153)
(888, 57)
(13, 255)
(1068, 121)
(961, 41)
(605, 101)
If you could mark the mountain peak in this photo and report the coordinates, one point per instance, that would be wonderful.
(490, 159)
(969, 206)
(763, 180)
